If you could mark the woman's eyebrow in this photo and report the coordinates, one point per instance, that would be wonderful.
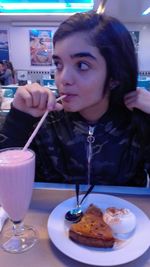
(55, 57)
(83, 54)
(77, 55)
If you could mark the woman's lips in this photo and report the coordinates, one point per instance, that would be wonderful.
(68, 97)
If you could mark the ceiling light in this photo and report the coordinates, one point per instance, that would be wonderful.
(146, 12)
(48, 7)
(101, 7)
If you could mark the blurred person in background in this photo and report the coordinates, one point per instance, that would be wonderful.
(2, 71)
(7, 75)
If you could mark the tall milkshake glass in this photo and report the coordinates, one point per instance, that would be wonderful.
(17, 170)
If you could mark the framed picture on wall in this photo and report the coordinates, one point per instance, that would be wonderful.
(4, 51)
(41, 47)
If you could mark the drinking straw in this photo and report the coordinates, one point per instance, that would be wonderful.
(39, 125)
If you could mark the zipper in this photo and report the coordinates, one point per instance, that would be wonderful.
(90, 140)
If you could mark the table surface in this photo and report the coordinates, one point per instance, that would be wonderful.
(44, 253)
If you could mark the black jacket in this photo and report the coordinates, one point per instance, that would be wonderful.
(69, 149)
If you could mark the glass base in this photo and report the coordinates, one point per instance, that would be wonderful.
(21, 241)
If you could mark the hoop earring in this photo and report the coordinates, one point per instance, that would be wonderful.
(113, 84)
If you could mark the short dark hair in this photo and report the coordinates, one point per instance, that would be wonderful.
(115, 44)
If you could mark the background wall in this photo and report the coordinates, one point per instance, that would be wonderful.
(144, 44)
(19, 49)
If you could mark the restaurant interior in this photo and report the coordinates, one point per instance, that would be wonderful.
(23, 31)
(26, 38)
(26, 33)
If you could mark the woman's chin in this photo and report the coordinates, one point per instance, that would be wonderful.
(70, 108)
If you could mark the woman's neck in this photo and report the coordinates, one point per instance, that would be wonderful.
(94, 113)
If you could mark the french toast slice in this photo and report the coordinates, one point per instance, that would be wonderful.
(91, 230)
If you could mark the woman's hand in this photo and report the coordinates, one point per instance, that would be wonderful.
(139, 99)
(35, 100)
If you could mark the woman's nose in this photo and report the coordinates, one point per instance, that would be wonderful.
(67, 77)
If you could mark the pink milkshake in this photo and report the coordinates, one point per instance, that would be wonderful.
(17, 170)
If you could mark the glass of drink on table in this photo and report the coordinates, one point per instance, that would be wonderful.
(17, 170)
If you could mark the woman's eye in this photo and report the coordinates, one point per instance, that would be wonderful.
(58, 65)
(83, 66)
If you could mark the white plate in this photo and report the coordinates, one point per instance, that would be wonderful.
(133, 247)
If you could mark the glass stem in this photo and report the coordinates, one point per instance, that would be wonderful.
(18, 228)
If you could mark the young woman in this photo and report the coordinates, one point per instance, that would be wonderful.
(100, 132)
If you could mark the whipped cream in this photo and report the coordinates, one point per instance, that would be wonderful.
(121, 221)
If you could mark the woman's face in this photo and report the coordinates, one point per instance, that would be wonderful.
(80, 75)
